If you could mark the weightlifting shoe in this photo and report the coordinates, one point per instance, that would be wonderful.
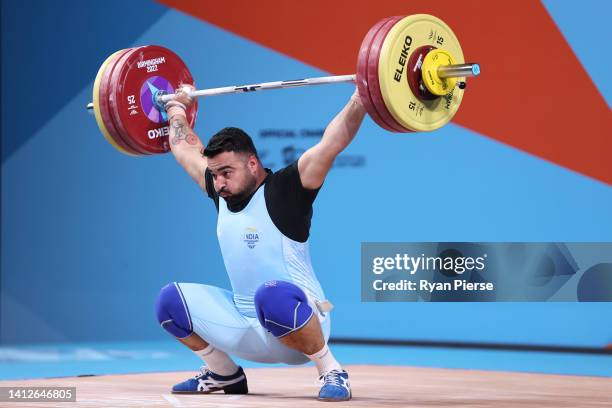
(336, 386)
(207, 381)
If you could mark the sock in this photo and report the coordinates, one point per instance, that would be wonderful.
(325, 361)
(217, 361)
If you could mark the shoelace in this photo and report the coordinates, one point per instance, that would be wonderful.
(203, 372)
(332, 378)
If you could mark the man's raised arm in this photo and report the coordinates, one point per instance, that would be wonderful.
(184, 143)
(315, 163)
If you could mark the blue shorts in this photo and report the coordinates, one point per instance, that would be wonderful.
(216, 319)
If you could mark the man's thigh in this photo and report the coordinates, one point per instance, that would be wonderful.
(216, 319)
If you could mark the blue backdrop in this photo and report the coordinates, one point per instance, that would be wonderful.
(89, 235)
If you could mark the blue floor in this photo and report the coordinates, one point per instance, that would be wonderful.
(26, 362)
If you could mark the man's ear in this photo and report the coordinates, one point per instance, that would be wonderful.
(253, 163)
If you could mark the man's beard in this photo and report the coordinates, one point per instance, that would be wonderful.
(239, 197)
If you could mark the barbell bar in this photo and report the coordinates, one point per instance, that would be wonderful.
(445, 71)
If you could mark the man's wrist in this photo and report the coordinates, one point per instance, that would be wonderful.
(175, 110)
(356, 102)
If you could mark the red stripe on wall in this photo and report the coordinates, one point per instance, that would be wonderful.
(533, 93)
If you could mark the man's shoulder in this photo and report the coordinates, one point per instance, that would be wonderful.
(291, 168)
(287, 184)
(287, 174)
(288, 203)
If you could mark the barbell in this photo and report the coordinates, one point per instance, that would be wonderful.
(410, 77)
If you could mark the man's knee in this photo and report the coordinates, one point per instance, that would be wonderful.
(172, 312)
(282, 307)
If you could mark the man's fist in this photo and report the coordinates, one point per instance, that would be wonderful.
(181, 94)
(181, 100)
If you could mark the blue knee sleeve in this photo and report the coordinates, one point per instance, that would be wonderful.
(282, 307)
(172, 312)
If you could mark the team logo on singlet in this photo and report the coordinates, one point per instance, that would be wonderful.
(251, 237)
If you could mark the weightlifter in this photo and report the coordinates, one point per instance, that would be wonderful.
(276, 312)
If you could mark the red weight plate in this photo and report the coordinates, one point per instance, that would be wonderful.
(104, 105)
(414, 75)
(362, 78)
(112, 98)
(141, 74)
(373, 84)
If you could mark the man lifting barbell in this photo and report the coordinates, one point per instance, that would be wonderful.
(277, 312)
(407, 81)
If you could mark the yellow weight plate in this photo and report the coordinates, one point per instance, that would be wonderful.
(96, 105)
(432, 61)
(408, 34)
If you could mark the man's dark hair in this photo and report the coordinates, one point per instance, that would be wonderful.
(229, 139)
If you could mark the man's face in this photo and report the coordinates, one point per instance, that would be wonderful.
(234, 175)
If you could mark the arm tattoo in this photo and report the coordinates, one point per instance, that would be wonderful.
(179, 132)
